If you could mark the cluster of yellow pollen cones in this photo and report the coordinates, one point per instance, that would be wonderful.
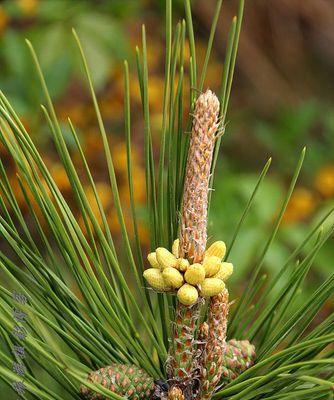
(174, 274)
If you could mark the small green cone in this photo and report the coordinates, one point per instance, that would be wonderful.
(125, 380)
(239, 355)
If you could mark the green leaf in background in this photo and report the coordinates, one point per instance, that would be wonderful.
(104, 39)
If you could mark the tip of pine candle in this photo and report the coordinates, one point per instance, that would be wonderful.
(208, 94)
(208, 99)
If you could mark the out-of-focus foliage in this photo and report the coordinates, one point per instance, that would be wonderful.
(47, 23)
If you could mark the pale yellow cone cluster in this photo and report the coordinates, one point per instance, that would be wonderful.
(171, 273)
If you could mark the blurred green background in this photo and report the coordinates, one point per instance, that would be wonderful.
(281, 100)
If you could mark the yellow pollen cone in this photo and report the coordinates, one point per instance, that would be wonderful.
(187, 294)
(152, 259)
(195, 274)
(182, 264)
(225, 271)
(155, 279)
(211, 287)
(217, 249)
(172, 277)
(165, 258)
(211, 265)
(175, 248)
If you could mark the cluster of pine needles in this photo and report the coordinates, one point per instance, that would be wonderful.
(88, 305)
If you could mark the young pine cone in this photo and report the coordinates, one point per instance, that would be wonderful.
(125, 380)
(239, 356)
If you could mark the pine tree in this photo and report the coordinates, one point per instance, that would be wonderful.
(94, 327)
